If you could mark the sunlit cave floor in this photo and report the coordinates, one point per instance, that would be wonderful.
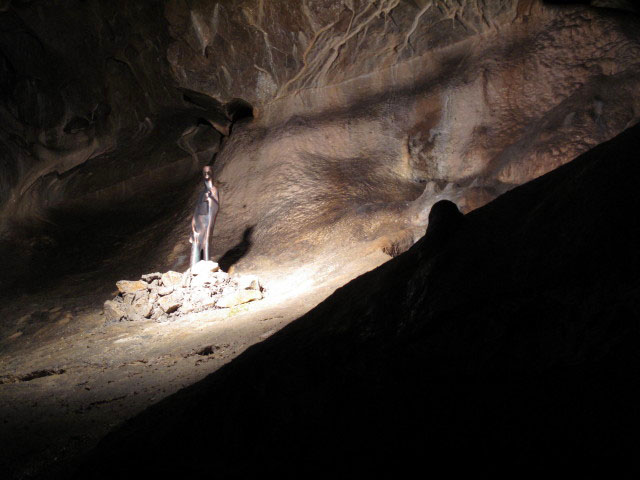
(67, 377)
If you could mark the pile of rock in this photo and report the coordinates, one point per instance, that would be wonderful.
(170, 295)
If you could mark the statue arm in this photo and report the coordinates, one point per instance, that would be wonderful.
(214, 194)
(192, 238)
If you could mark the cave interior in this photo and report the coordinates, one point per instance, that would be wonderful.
(425, 253)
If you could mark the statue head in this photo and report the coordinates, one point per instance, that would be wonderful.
(207, 172)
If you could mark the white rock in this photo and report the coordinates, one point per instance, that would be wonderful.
(164, 291)
(221, 276)
(198, 294)
(204, 267)
(248, 282)
(157, 313)
(203, 280)
(187, 307)
(208, 302)
(171, 279)
(238, 297)
(134, 317)
(228, 290)
(169, 303)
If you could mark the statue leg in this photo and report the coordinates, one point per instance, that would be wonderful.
(211, 220)
(195, 252)
(205, 247)
(199, 239)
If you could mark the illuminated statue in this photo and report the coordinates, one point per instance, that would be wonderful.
(204, 218)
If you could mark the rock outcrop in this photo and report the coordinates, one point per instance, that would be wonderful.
(171, 295)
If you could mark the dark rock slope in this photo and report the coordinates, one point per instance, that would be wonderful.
(506, 336)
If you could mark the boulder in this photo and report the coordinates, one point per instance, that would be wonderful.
(134, 317)
(114, 311)
(130, 286)
(238, 297)
(203, 280)
(171, 279)
(204, 267)
(153, 297)
(150, 277)
(170, 303)
(187, 307)
(202, 298)
(164, 291)
(221, 276)
(157, 313)
(141, 304)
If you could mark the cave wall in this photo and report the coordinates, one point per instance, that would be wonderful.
(364, 113)
(94, 132)
(362, 106)
(76, 79)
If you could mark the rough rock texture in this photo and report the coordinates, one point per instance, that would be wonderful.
(171, 295)
(84, 90)
(96, 140)
(504, 338)
(394, 96)
(364, 112)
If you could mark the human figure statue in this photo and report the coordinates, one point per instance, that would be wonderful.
(204, 218)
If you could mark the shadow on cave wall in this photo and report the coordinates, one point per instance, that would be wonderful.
(36, 258)
(235, 253)
(628, 5)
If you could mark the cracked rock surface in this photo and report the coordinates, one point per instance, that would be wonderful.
(171, 295)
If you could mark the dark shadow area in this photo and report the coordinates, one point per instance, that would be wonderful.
(238, 109)
(504, 339)
(108, 202)
(200, 100)
(628, 5)
(234, 254)
(567, 2)
(77, 242)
